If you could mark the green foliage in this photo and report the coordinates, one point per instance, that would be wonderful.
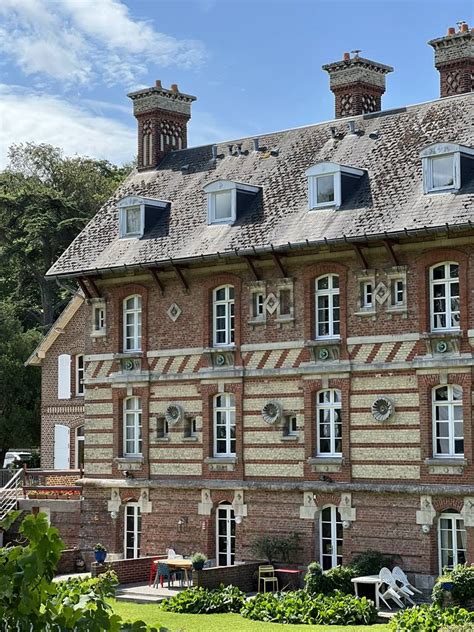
(462, 578)
(19, 385)
(276, 548)
(100, 547)
(430, 618)
(205, 601)
(198, 558)
(337, 578)
(370, 562)
(467, 627)
(31, 601)
(301, 607)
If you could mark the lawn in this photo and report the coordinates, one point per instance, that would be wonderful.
(151, 614)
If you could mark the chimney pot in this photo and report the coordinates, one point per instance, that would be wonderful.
(464, 27)
(451, 30)
(346, 57)
(174, 87)
(158, 83)
(256, 144)
(214, 152)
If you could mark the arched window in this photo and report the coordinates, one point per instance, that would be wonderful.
(132, 323)
(327, 306)
(329, 423)
(448, 431)
(223, 316)
(451, 540)
(224, 424)
(132, 530)
(444, 297)
(331, 536)
(132, 426)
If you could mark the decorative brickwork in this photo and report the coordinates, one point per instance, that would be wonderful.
(454, 58)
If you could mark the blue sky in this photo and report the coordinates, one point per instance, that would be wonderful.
(255, 65)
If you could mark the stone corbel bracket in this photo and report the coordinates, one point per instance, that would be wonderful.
(426, 513)
(144, 502)
(308, 509)
(115, 501)
(238, 504)
(346, 510)
(206, 504)
(467, 512)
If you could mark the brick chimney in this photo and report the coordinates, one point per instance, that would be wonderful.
(162, 117)
(454, 58)
(357, 84)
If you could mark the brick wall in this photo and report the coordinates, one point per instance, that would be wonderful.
(128, 571)
(244, 576)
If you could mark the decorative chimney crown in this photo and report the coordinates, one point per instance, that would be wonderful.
(454, 58)
(357, 84)
(162, 117)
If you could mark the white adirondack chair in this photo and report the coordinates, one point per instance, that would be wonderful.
(392, 591)
(400, 576)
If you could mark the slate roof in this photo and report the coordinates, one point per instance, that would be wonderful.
(389, 201)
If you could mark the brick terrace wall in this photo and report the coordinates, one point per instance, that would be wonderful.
(66, 564)
(244, 576)
(128, 571)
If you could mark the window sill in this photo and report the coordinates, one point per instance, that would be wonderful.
(290, 438)
(132, 463)
(221, 463)
(128, 354)
(323, 464)
(366, 312)
(256, 321)
(322, 342)
(162, 439)
(190, 439)
(446, 333)
(448, 460)
(220, 459)
(132, 458)
(99, 334)
(285, 319)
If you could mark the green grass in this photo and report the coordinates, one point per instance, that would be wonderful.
(151, 614)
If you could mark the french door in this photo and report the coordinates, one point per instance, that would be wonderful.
(330, 530)
(132, 531)
(225, 535)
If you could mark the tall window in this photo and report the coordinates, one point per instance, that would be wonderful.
(448, 432)
(329, 424)
(331, 534)
(224, 425)
(327, 307)
(132, 323)
(132, 530)
(79, 447)
(132, 422)
(225, 535)
(80, 374)
(451, 540)
(223, 315)
(444, 297)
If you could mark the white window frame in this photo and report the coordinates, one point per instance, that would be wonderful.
(221, 186)
(291, 430)
(436, 150)
(64, 376)
(258, 311)
(123, 221)
(136, 325)
(229, 517)
(456, 526)
(229, 315)
(334, 404)
(330, 292)
(135, 512)
(132, 201)
(367, 290)
(335, 520)
(80, 371)
(447, 282)
(99, 322)
(450, 404)
(328, 169)
(227, 412)
(78, 439)
(132, 418)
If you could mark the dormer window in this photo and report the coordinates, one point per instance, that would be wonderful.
(445, 165)
(330, 184)
(136, 214)
(226, 200)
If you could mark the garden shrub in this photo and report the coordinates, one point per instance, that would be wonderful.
(462, 578)
(272, 548)
(206, 601)
(370, 562)
(430, 618)
(300, 607)
(337, 578)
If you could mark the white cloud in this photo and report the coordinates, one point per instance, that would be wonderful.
(26, 116)
(81, 40)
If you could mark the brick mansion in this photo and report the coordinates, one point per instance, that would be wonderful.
(275, 334)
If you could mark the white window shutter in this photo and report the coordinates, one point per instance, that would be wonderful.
(61, 447)
(64, 376)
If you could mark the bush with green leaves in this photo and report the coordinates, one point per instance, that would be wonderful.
(370, 562)
(466, 627)
(30, 600)
(206, 601)
(300, 607)
(337, 578)
(430, 618)
(273, 548)
(462, 579)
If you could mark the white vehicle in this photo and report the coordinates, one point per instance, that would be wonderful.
(12, 457)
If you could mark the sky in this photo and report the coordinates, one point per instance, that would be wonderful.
(254, 65)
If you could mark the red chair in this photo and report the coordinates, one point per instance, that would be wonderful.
(153, 568)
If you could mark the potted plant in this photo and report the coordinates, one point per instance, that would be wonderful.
(198, 560)
(100, 553)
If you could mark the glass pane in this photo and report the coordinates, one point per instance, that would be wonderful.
(454, 270)
(441, 394)
(223, 205)
(439, 272)
(132, 221)
(442, 446)
(326, 514)
(442, 170)
(457, 394)
(458, 446)
(325, 189)
(323, 283)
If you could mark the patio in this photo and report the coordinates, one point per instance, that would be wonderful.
(143, 593)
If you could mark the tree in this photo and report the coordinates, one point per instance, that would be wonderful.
(31, 601)
(19, 386)
(45, 201)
